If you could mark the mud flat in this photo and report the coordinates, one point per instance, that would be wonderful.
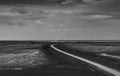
(29, 58)
(93, 47)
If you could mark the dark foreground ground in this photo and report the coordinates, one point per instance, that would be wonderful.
(58, 64)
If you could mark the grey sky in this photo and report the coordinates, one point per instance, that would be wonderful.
(62, 24)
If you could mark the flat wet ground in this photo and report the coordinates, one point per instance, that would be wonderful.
(56, 68)
(74, 21)
(93, 53)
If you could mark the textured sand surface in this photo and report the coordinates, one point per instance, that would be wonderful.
(29, 58)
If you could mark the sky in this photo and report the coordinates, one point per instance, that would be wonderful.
(62, 23)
